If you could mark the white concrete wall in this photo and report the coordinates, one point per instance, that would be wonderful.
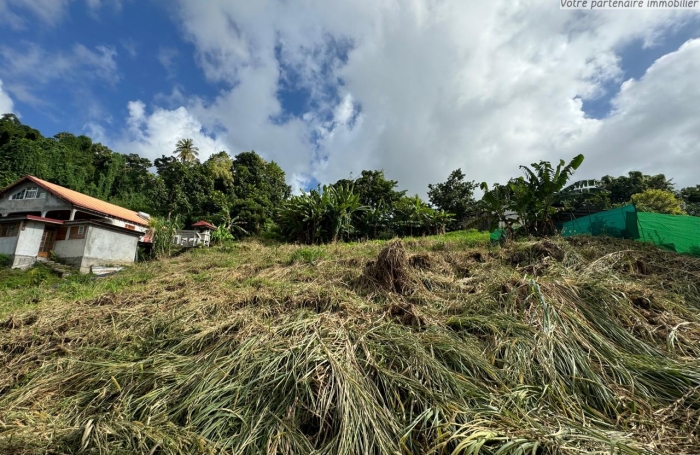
(71, 251)
(29, 239)
(105, 246)
(28, 243)
(69, 248)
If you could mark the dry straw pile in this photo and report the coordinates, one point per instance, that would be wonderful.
(425, 346)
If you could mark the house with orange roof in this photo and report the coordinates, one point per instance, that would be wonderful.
(39, 219)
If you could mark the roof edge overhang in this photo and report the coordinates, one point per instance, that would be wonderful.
(107, 215)
(37, 181)
(110, 227)
(39, 219)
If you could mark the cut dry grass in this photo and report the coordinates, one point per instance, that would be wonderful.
(420, 346)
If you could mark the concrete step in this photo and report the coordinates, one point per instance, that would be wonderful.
(62, 269)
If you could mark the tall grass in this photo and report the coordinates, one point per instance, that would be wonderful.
(539, 348)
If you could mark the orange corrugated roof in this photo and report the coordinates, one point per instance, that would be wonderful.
(205, 224)
(84, 201)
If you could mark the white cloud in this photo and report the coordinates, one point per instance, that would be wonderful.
(32, 62)
(95, 131)
(96, 5)
(655, 125)
(246, 114)
(49, 12)
(166, 57)
(129, 46)
(28, 69)
(101, 61)
(14, 13)
(154, 134)
(6, 105)
(430, 86)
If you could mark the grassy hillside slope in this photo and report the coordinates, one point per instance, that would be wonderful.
(436, 345)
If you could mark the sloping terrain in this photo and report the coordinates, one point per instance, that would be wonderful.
(435, 345)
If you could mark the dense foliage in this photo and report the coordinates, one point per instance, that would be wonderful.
(161, 231)
(529, 200)
(658, 201)
(246, 188)
(691, 199)
(248, 195)
(456, 196)
(321, 215)
(259, 188)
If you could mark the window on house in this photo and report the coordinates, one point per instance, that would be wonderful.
(77, 232)
(9, 230)
(130, 226)
(26, 193)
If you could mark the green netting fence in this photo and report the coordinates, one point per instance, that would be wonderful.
(677, 233)
(614, 223)
(673, 232)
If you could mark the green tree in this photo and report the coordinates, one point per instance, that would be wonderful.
(691, 199)
(532, 197)
(499, 204)
(186, 151)
(321, 215)
(259, 187)
(413, 217)
(657, 201)
(380, 196)
(542, 185)
(188, 189)
(454, 196)
(21, 156)
(220, 166)
(621, 189)
(375, 189)
(162, 231)
(135, 187)
(12, 128)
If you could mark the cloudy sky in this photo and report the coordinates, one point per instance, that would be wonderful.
(417, 88)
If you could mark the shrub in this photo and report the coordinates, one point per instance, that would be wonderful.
(658, 201)
(319, 216)
(221, 235)
(162, 231)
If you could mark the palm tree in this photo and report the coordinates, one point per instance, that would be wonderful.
(186, 151)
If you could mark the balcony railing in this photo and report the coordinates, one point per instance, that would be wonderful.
(191, 239)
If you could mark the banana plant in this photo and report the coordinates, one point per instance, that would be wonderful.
(497, 206)
(321, 215)
(530, 200)
(544, 183)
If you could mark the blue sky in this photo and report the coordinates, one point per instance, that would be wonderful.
(328, 89)
(152, 59)
(636, 58)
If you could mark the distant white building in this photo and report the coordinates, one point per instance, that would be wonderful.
(199, 235)
(39, 218)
